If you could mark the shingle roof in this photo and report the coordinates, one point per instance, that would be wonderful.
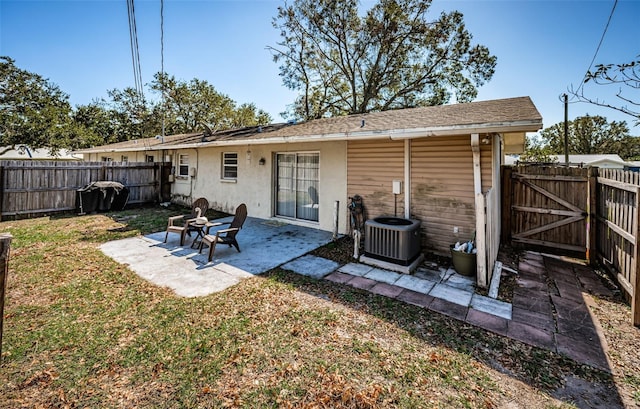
(502, 115)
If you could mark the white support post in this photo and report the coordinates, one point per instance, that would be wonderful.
(407, 178)
(481, 216)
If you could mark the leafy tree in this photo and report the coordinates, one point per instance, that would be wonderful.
(131, 114)
(587, 135)
(190, 106)
(626, 76)
(392, 57)
(629, 148)
(33, 111)
(36, 113)
(535, 150)
(249, 115)
(94, 126)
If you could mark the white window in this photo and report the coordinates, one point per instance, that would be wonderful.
(124, 158)
(183, 165)
(106, 159)
(230, 165)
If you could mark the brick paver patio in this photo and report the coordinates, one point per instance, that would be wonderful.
(549, 307)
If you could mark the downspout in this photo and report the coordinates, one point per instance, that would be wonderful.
(481, 216)
(407, 178)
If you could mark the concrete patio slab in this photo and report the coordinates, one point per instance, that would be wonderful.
(415, 284)
(383, 276)
(451, 294)
(172, 269)
(264, 244)
(491, 306)
(461, 282)
(355, 269)
(312, 266)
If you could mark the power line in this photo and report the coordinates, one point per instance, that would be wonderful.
(135, 52)
(604, 32)
(162, 84)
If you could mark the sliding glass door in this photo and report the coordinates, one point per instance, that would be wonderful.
(297, 185)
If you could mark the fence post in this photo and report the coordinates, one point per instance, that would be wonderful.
(1, 191)
(592, 177)
(634, 279)
(5, 245)
(506, 198)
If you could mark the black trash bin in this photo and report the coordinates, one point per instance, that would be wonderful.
(102, 196)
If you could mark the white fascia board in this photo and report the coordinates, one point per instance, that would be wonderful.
(394, 134)
(519, 126)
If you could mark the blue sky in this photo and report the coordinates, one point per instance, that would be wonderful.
(543, 47)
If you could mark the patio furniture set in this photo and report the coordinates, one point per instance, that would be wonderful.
(197, 223)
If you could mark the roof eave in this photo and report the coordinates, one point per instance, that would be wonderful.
(517, 126)
(395, 134)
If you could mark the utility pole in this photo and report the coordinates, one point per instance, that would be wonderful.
(566, 129)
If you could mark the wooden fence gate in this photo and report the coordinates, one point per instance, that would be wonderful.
(548, 208)
(589, 213)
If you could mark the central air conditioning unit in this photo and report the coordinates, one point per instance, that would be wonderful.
(392, 239)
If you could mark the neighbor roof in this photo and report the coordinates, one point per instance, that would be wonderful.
(592, 159)
(502, 115)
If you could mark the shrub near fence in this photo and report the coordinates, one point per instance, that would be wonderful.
(32, 188)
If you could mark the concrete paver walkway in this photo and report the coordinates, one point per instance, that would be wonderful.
(549, 307)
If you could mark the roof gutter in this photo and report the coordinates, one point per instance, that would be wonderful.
(395, 134)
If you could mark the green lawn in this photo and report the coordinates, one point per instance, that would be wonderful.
(84, 331)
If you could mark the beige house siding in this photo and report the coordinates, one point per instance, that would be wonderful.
(373, 166)
(442, 192)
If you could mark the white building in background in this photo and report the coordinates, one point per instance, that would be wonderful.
(23, 152)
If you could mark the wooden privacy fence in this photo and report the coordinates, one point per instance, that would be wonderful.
(587, 212)
(31, 188)
(618, 236)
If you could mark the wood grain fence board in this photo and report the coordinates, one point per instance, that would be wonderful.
(618, 235)
(545, 243)
(548, 205)
(610, 230)
(37, 187)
